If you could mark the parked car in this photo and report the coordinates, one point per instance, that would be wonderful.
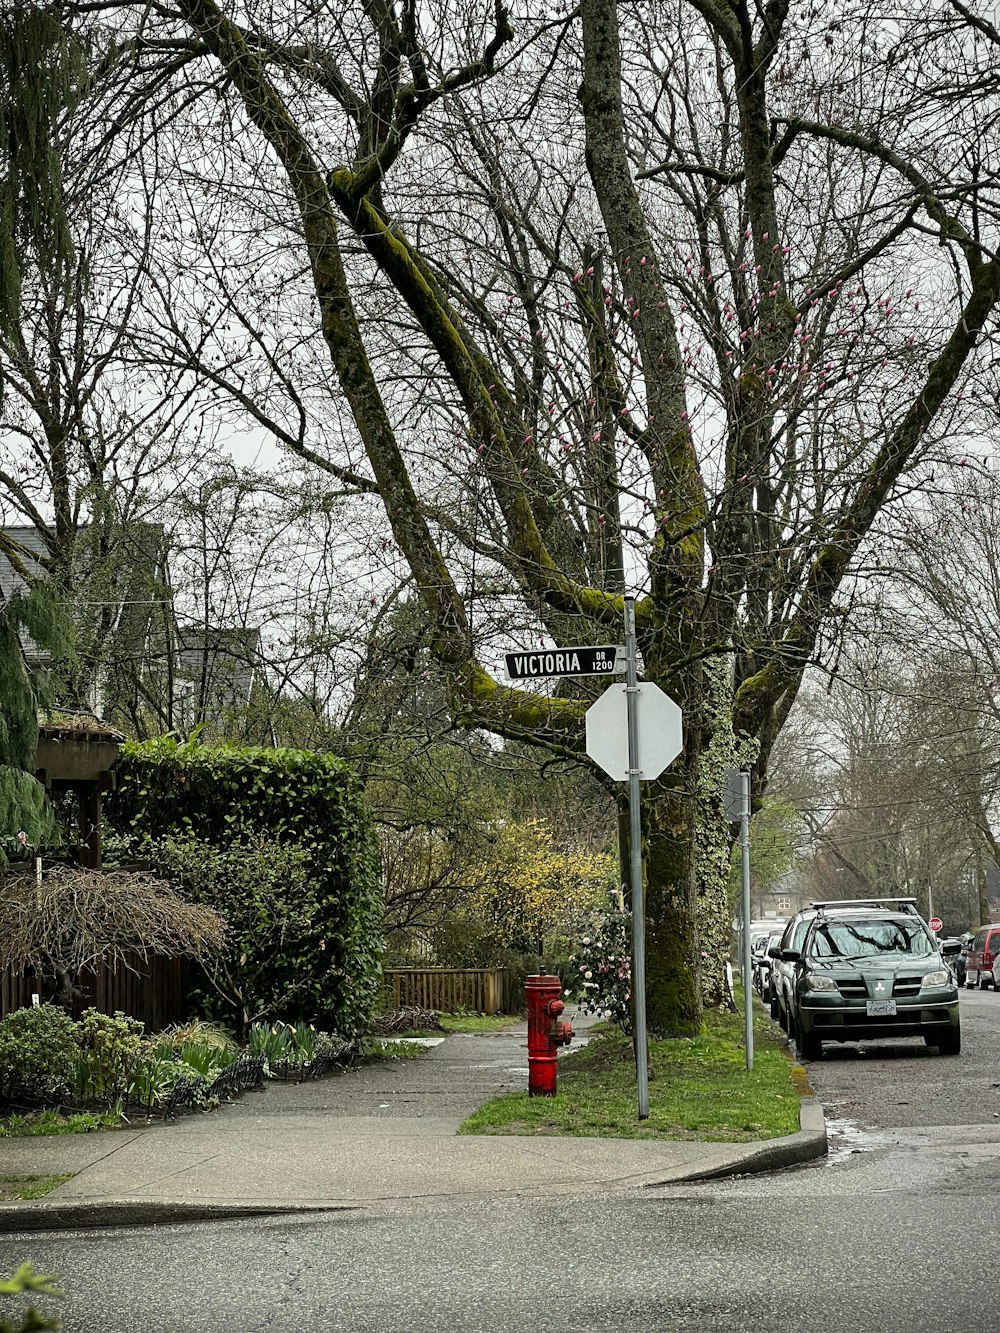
(961, 961)
(765, 966)
(981, 956)
(758, 955)
(872, 969)
(760, 933)
(782, 970)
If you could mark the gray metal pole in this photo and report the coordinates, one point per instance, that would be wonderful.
(635, 860)
(745, 850)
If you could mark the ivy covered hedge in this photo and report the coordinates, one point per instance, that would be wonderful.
(311, 946)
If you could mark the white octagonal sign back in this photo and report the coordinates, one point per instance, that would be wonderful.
(660, 736)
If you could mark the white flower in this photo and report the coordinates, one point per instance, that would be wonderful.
(588, 975)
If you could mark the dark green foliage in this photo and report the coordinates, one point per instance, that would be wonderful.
(288, 799)
(266, 895)
(23, 804)
(38, 1054)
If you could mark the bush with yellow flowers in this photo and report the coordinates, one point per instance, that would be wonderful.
(533, 890)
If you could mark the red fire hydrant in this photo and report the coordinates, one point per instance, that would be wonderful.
(545, 1032)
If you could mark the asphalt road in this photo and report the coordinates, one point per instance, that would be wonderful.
(883, 1084)
(895, 1233)
(855, 1247)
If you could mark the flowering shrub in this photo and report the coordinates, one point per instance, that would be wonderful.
(603, 962)
(532, 889)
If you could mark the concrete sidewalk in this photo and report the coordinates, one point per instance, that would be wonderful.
(374, 1134)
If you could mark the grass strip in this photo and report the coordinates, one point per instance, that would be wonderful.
(476, 1022)
(385, 1048)
(14, 1188)
(52, 1122)
(699, 1089)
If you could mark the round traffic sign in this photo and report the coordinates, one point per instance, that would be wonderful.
(935, 924)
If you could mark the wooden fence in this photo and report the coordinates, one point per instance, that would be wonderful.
(153, 992)
(477, 990)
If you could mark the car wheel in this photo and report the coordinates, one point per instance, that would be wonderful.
(774, 1007)
(984, 981)
(950, 1043)
(783, 1019)
(809, 1044)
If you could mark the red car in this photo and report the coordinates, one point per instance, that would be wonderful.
(983, 952)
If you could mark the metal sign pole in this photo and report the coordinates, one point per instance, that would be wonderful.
(745, 850)
(635, 859)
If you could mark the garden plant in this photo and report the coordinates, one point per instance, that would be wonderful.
(106, 1063)
(26, 1281)
(280, 842)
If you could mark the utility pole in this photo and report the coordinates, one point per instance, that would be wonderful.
(635, 869)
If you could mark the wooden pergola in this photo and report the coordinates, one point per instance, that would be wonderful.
(78, 754)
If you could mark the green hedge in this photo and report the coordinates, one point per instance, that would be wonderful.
(226, 795)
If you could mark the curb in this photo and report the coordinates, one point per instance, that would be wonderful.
(106, 1213)
(809, 1144)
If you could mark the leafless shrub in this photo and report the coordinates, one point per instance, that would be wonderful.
(75, 919)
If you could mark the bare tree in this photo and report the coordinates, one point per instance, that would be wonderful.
(91, 447)
(891, 765)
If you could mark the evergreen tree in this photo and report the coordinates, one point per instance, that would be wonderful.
(24, 808)
(41, 71)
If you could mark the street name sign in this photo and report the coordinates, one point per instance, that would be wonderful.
(660, 736)
(604, 661)
(733, 798)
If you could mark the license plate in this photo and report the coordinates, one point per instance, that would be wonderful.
(881, 1008)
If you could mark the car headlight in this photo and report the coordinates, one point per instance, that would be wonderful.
(942, 977)
(818, 983)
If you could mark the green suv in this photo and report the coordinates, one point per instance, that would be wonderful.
(872, 969)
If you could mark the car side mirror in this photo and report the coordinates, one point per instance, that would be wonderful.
(789, 955)
(949, 948)
(774, 952)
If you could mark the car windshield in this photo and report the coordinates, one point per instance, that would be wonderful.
(869, 939)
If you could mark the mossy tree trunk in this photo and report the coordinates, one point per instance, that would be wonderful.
(673, 987)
